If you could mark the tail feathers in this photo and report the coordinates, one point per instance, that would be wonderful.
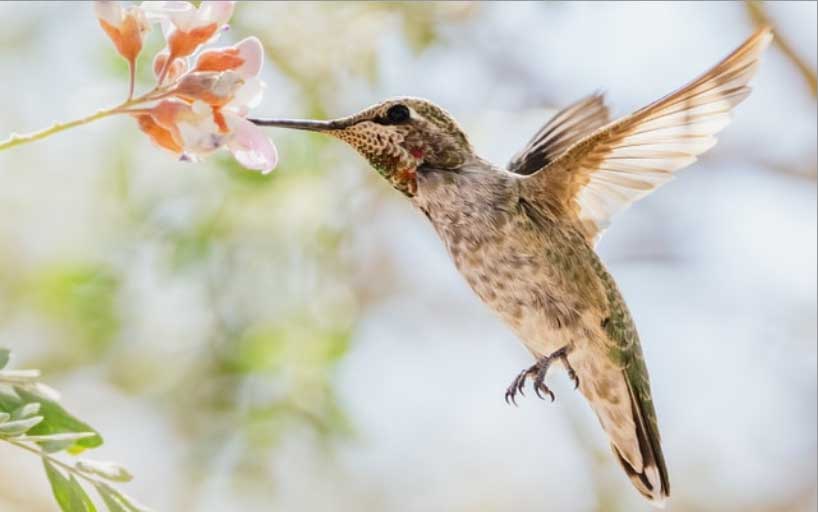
(652, 481)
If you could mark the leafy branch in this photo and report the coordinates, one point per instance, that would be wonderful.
(32, 419)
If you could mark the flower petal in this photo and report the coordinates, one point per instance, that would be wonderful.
(250, 146)
(168, 112)
(185, 42)
(252, 53)
(125, 27)
(220, 59)
(247, 96)
(218, 11)
(214, 88)
(177, 68)
(201, 137)
(109, 11)
(181, 14)
(160, 136)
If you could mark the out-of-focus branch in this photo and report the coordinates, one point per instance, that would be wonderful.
(760, 18)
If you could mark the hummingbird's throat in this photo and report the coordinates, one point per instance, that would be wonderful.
(400, 172)
(406, 181)
(387, 152)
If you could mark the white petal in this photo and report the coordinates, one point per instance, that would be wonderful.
(109, 11)
(200, 108)
(248, 96)
(181, 14)
(251, 50)
(218, 11)
(250, 145)
(200, 138)
(169, 14)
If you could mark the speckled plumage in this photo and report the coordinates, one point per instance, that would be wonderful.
(523, 237)
(537, 271)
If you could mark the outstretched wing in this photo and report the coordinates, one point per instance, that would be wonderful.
(567, 127)
(605, 172)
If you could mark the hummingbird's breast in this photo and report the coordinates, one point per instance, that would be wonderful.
(533, 270)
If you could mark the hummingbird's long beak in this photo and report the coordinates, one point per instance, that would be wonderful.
(300, 124)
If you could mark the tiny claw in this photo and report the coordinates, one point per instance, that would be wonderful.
(542, 387)
(573, 377)
(570, 370)
(537, 372)
(521, 386)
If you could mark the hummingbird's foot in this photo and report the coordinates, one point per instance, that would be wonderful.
(517, 386)
(538, 371)
(568, 368)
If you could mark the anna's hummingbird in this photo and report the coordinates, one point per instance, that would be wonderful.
(524, 236)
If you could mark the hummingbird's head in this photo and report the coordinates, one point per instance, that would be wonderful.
(397, 136)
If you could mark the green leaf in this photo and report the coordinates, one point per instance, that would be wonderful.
(19, 376)
(70, 496)
(113, 496)
(4, 417)
(88, 505)
(107, 470)
(56, 421)
(9, 403)
(17, 427)
(68, 437)
(26, 411)
(5, 355)
(110, 500)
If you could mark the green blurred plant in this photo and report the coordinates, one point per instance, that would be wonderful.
(31, 419)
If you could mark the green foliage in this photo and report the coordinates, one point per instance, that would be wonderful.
(57, 420)
(270, 349)
(35, 422)
(82, 296)
(67, 491)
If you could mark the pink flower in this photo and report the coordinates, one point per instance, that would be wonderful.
(186, 27)
(196, 130)
(126, 26)
(226, 76)
(195, 111)
(212, 103)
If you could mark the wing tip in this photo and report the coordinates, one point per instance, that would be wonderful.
(764, 34)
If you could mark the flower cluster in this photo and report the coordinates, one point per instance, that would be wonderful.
(200, 101)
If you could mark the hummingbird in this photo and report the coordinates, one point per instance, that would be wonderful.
(523, 236)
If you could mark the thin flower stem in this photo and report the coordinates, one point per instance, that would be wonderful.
(134, 111)
(164, 73)
(57, 462)
(132, 78)
(16, 140)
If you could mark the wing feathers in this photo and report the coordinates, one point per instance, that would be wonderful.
(602, 173)
(563, 130)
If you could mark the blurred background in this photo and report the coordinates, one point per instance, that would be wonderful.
(301, 341)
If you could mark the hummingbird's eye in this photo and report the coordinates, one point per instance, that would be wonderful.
(397, 114)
